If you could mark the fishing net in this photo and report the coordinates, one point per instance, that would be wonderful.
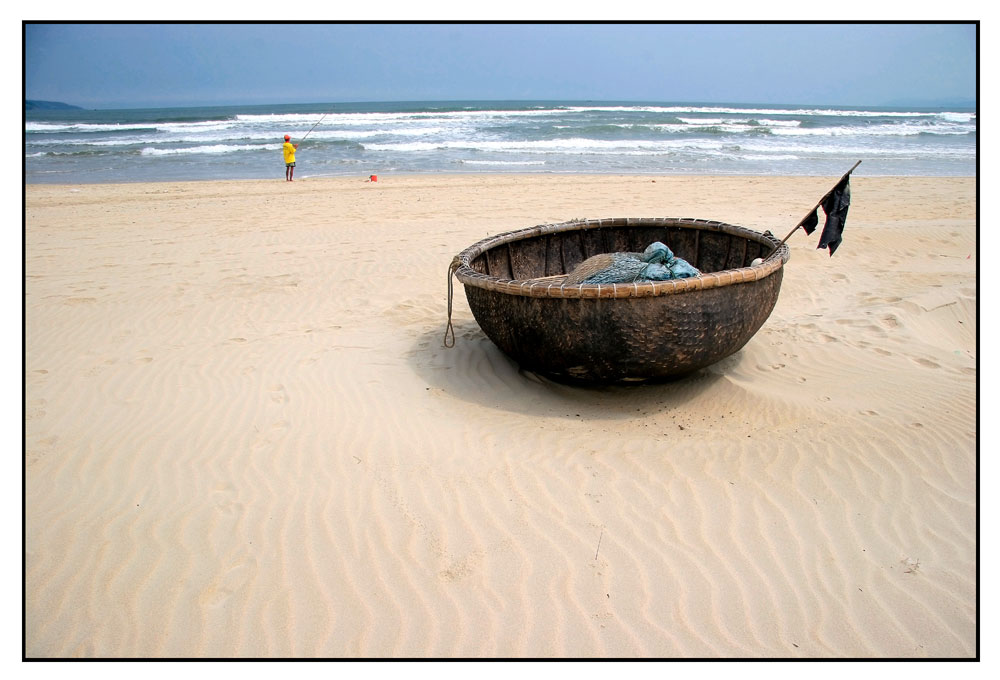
(656, 263)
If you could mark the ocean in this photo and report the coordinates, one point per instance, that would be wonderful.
(361, 139)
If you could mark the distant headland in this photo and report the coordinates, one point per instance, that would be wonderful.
(39, 105)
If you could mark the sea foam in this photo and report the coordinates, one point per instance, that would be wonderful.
(535, 136)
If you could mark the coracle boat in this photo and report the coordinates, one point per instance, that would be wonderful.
(620, 332)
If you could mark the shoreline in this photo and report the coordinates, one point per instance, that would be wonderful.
(244, 438)
(476, 173)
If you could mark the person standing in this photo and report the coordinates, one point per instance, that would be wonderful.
(289, 150)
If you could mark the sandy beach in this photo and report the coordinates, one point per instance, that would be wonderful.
(244, 438)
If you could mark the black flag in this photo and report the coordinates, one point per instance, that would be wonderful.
(835, 206)
(809, 223)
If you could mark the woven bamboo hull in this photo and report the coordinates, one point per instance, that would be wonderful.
(623, 332)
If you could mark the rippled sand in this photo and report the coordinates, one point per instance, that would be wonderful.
(244, 437)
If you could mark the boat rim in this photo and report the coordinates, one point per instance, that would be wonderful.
(462, 264)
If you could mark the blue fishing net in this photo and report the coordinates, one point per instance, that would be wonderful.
(656, 263)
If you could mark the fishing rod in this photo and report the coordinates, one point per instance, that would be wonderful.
(313, 127)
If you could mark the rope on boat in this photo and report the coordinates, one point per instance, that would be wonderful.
(452, 268)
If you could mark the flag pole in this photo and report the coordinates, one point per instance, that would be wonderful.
(818, 204)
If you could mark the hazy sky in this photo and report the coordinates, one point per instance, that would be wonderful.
(135, 65)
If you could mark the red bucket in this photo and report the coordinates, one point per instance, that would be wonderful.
(372, 178)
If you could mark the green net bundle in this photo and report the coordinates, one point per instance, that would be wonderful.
(656, 263)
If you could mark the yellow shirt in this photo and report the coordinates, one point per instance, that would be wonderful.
(289, 150)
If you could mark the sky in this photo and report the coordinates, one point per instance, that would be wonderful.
(102, 66)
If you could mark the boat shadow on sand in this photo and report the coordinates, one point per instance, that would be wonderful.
(478, 372)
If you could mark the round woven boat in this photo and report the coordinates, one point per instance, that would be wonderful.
(624, 332)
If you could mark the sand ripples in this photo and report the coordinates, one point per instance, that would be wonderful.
(248, 443)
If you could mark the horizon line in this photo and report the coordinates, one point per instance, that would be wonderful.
(965, 104)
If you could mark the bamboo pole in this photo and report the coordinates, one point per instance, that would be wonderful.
(818, 204)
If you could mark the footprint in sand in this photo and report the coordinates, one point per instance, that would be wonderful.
(278, 394)
(223, 496)
(890, 321)
(460, 569)
(35, 409)
(97, 370)
(272, 435)
(229, 583)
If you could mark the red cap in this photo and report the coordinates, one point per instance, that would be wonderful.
(287, 138)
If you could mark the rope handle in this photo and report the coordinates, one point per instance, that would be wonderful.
(450, 330)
